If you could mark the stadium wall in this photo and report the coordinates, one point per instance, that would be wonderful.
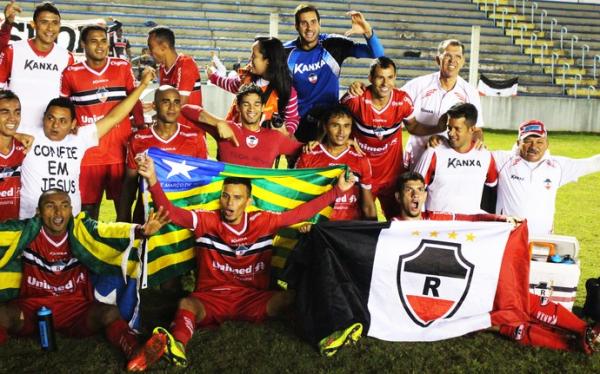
(502, 113)
(558, 114)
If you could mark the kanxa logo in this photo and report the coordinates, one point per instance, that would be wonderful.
(433, 281)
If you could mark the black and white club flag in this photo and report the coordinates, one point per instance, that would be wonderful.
(493, 87)
(410, 280)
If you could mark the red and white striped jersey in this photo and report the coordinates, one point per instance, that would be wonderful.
(49, 269)
(346, 207)
(379, 133)
(185, 141)
(94, 94)
(233, 257)
(184, 76)
(10, 181)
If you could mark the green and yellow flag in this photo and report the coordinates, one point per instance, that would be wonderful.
(193, 183)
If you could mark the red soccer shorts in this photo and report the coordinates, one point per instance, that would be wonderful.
(94, 179)
(69, 315)
(245, 304)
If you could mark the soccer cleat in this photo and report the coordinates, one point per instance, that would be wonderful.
(591, 339)
(150, 353)
(329, 345)
(175, 351)
(591, 308)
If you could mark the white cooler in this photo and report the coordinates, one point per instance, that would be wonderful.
(557, 281)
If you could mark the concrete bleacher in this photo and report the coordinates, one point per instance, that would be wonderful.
(581, 23)
(228, 27)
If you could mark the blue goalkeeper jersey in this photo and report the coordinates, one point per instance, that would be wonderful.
(316, 72)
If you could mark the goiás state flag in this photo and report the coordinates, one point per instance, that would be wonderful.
(410, 280)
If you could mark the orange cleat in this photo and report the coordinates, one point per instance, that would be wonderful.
(149, 354)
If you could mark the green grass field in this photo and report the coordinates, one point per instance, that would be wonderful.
(273, 347)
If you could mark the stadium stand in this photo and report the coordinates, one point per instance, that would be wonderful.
(561, 38)
(409, 30)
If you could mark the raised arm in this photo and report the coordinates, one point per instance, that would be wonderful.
(305, 211)
(292, 118)
(373, 48)
(201, 117)
(230, 84)
(122, 110)
(178, 216)
(367, 204)
(573, 168)
(416, 128)
(10, 12)
(154, 222)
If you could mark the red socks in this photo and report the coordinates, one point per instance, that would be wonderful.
(554, 314)
(183, 325)
(536, 336)
(121, 336)
(3, 335)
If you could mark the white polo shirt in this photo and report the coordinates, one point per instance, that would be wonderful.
(455, 180)
(431, 101)
(54, 164)
(528, 189)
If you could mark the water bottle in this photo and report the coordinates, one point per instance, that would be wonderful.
(46, 328)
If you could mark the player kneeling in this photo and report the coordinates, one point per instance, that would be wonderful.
(53, 277)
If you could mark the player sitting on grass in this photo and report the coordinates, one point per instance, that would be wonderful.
(233, 258)
(551, 325)
(44, 248)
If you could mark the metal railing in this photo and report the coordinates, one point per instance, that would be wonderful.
(543, 52)
(590, 89)
(534, 7)
(563, 32)
(523, 30)
(574, 39)
(584, 49)
(553, 63)
(513, 20)
(543, 14)
(566, 68)
(596, 60)
(578, 78)
(504, 15)
(553, 22)
(532, 39)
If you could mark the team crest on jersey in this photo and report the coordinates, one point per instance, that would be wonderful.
(251, 141)
(548, 183)
(239, 251)
(433, 281)
(102, 94)
(379, 132)
(313, 78)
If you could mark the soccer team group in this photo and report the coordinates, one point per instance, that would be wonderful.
(70, 132)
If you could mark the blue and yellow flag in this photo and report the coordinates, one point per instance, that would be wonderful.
(193, 183)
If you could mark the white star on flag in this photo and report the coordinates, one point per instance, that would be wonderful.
(179, 168)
